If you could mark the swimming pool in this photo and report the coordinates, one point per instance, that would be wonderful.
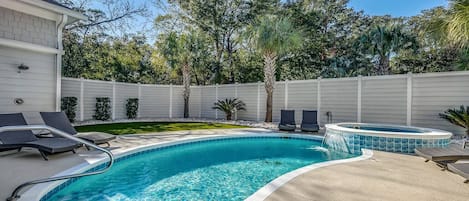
(227, 168)
(352, 137)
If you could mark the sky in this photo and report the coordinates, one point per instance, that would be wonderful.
(395, 8)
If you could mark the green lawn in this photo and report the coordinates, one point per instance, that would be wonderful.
(149, 127)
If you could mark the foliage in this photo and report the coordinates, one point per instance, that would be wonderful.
(69, 106)
(229, 106)
(458, 117)
(131, 108)
(103, 109)
(151, 127)
(273, 37)
(382, 42)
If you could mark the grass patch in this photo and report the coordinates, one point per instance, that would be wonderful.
(151, 127)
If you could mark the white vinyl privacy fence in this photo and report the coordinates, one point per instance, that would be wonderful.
(411, 99)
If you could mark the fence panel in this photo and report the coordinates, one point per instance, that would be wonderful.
(248, 94)
(155, 101)
(195, 102)
(302, 95)
(433, 95)
(124, 91)
(208, 98)
(72, 88)
(384, 100)
(339, 97)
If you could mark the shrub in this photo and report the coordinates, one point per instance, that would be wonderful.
(103, 109)
(69, 106)
(458, 117)
(229, 106)
(132, 108)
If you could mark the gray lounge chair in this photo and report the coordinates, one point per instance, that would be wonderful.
(19, 139)
(460, 169)
(309, 122)
(449, 154)
(287, 120)
(60, 121)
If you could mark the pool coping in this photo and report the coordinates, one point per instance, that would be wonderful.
(37, 192)
(427, 133)
(272, 186)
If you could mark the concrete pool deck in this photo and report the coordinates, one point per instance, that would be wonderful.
(386, 176)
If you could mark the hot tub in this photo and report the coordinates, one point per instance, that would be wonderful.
(352, 137)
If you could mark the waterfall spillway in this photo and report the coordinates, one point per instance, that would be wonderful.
(335, 142)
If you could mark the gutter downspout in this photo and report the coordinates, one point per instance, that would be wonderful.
(58, 90)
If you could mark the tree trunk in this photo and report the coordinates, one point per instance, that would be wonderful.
(186, 81)
(269, 81)
(228, 116)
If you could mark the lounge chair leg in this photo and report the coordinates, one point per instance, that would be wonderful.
(87, 147)
(19, 149)
(73, 151)
(44, 155)
(426, 160)
(108, 144)
(467, 181)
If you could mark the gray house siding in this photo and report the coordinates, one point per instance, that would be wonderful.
(35, 86)
(27, 28)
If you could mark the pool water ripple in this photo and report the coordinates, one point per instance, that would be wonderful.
(211, 170)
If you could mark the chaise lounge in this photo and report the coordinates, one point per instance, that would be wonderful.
(449, 154)
(287, 120)
(60, 121)
(18, 139)
(310, 122)
(460, 169)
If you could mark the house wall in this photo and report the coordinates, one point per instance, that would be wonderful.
(36, 86)
(27, 28)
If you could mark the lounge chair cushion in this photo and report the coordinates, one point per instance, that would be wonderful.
(453, 152)
(309, 122)
(13, 137)
(34, 118)
(53, 145)
(96, 137)
(460, 169)
(287, 127)
(59, 121)
(309, 127)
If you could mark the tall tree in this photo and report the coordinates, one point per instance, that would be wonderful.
(382, 42)
(273, 37)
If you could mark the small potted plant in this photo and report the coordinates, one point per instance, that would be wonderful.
(229, 106)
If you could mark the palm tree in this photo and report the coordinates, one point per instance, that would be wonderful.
(452, 25)
(273, 37)
(229, 106)
(458, 117)
(382, 42)
(177, 50)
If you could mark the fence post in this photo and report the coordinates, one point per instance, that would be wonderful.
(318, 102)
(113, 109)
(139, 96)
(170, 101)
(200, 105)
(286, 94)
(359, 99)
(216, 99)
(409, 99)
(82, 105)
(236, 96)
(258, 100)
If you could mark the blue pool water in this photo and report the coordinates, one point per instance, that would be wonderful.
(228, 169)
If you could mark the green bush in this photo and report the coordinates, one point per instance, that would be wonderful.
(69, 106)
(103, 109)
(132, 108)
